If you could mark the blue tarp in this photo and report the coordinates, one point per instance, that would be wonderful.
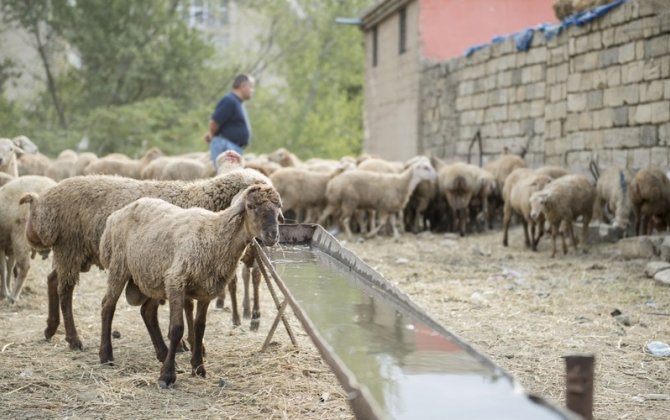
(524, 38)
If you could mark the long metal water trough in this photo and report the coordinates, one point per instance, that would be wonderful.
(390, 356)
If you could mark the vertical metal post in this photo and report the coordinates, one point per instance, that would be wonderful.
(579, 372)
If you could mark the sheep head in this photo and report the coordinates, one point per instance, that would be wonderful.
(538, 203)
(261, 206)
(7, 149)
(25, 144)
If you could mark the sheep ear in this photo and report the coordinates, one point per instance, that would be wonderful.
(19, 151)
(239, 203)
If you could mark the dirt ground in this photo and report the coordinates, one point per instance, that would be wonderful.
(523, 309)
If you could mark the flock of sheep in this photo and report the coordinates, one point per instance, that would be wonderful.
(174, 228)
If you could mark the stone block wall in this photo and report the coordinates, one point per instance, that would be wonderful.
(600, 91)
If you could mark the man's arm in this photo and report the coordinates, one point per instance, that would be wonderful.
(213, 128)
(223, 112)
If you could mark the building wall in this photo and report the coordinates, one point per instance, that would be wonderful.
(449, 27)
(601, 91)
(392, 90)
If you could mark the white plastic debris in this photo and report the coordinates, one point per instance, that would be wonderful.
(658, 349)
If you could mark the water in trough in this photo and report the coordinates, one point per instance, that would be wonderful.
(411, 370)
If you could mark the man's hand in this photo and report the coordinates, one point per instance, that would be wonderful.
(208, 137)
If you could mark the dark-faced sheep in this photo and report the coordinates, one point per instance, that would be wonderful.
(70, 217)
(563, 200)
(650, 197)
(173, 254)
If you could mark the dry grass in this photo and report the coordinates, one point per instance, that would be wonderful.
(523, 309)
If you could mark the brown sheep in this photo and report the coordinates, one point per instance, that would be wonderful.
(173, 254)
(650, 196)
(69, 219)
(519, 203)
(563, 200)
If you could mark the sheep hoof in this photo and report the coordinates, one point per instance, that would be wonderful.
(50, 330)
(75, 343)
(182, 347)
(219, 303)
(236, 321)
(163, 385)
(246, 314)
(254, 324)
(199, 371)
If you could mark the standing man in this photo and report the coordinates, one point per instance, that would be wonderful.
(229, 127)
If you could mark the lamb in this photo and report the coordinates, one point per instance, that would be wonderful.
(519, 202)
(69, 219)
(8, 155)
(612, 195)
(14, 248)
(172, 254)
(650, 197)
(385, 193)
(122, 167)
(563, 200)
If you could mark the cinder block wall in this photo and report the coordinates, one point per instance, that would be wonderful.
(601, 91)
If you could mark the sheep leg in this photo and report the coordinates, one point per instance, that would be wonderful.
(554, 233)
(246, 278)
(115, 284)
(4, 273)
(197, 365)
(585, 232)
(53, 319)
(565, 242)
(232, 290)
(168, 374)
(190, 336)
(22, 267)
(524, 223)
(462, 220)
(507, 216)
(533, 243)
(65, 290)
(149, 311)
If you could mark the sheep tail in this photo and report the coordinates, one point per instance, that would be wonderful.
(28, 198)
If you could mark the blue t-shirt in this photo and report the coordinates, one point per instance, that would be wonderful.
(232, 119)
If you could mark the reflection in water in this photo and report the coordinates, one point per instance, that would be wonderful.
(410, 369)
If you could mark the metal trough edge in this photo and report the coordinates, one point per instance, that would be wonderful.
(363, 405)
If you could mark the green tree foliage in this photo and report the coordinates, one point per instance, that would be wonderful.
(318, 112)
(132, 50)
(146, 79)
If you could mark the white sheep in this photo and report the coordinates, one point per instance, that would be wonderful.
(14, 248)
(562, 201)
(69, 219)
(363, 190)
(172, 254)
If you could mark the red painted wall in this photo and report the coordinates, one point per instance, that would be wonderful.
(449, 27)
